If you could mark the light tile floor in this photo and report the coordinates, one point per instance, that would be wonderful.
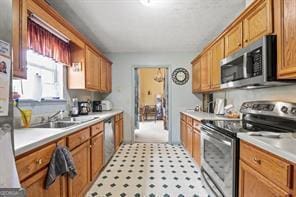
(150, 170)
(152, 132)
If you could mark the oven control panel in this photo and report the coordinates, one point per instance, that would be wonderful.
(271, 108)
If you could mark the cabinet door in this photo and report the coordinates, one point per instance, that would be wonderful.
(90, 64)
(19, 38)
(196, 74)
(117, 134)
(109, 77)
(253, 184)
(189, 139)
(97, 73)
(183, 134)
(196, 146)
(233, 39)
(104, 87)
(121, 130)
(258, 22)
(218, 55)
(285, 28)
(205, 71)
(97, 154)
(81, 157)
(34, 186)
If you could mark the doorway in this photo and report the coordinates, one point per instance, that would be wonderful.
(151, 105)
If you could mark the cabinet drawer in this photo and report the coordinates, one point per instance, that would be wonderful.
(189, 120)
(276, 170)
(78, 138)
(97, 128)
(33, 162)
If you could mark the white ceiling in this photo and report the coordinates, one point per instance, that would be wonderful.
(165, 26)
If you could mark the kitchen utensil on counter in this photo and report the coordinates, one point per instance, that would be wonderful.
(198, 108)
(97, 106)
(84, 108)
(75, 108)
(26, 116)
(219, 106)
(106, 105)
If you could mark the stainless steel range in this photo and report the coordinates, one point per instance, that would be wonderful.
(220, 145)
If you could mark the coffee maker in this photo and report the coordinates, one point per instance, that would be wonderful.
(97, 106)
(84, 108)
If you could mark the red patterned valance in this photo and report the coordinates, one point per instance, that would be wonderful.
(45, 43)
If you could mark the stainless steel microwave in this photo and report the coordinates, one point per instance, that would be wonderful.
(252, 67)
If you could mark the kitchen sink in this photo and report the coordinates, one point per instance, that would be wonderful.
(57, 124)
(79, 119)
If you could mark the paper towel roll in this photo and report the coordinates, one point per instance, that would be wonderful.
(37, 87)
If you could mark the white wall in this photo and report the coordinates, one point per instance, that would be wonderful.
(237, 97)
(248, 2)
(121, 96)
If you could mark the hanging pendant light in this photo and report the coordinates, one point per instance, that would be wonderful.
(159, 77)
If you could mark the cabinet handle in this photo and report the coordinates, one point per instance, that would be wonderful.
(90, 146)
(82, 138)
(39, 161)
(246, 40)
(258, 161)
(239, 44)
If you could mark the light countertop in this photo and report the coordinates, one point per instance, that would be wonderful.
(206, 116)
(31, 138)
(283, 147)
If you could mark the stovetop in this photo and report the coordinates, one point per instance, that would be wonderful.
(232, 127)
(270, 116)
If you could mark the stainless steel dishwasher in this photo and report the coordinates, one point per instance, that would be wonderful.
(109, 146)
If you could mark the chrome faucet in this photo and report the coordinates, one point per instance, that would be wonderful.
(54, 116)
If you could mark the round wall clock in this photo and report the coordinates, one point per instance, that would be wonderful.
(180, 76)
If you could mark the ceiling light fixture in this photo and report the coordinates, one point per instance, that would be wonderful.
(159, 77)
(146, 2)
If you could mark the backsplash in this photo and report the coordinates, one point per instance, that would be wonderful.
(237, 97)
(42, 110)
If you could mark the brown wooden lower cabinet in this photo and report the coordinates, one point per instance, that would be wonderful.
(183, 133)
(196, 153)
(253, 184)
(87, 149)
(34, 186)
(97, 154)
(81, 157)
(118, 130)
(189, 139)
(264, 174)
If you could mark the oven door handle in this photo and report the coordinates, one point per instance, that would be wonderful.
(209, 135)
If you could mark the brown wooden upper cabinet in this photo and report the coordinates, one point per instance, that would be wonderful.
(234, 39)
(92, 69)
(95, 72)
(206, 60)
(258, 22)
(262, 17)
(285, 29)
(19, 38)
(217, 56)
(104, 76)
(196, 75)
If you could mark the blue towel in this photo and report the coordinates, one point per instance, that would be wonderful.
(61, 163)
